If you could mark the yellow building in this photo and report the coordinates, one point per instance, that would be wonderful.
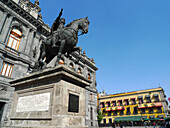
(137, 106)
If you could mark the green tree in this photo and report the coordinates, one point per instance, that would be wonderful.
(99, 117)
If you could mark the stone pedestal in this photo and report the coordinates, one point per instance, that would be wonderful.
(52, 98)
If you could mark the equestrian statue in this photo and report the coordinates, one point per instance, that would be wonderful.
(62, 40)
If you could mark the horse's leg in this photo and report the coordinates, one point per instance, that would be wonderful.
(60, 51)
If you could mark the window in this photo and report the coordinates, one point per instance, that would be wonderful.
(143, 111)
(126, 101)
(109, 113)
(88, 76)
(150, 110)
(114, 103)
(6, 69)
(108, 104)
(120, 102)
(115, 113)
(133, 101)
(102, 104)
(121, 113)
(135, 110)
(104, 121)
(79, 70)
(110, 120)
(140, 100)
(71, 65)
(148, 100)
(61, 61)
(159, 110)
(91, 97)
(128, 111)
(73, 105)
(156, 98)
(14, 40)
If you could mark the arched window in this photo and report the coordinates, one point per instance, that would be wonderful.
(79, 70)
(61, 61)
(88, 76)
(14, 39)
(71, 65)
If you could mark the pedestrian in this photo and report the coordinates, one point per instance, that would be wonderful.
(154, 124)
(145, 124)
(113, 125)
(121, 126)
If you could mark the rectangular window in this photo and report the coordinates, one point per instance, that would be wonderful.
(121, 113)
(115, 113)
(128, 111)
(109, 113)
(156, 98)
(159, 110)
(133, 101)
(120, 102)
(13, 42)
(114, 103)
(7, 69)
(108, 104)
(91, 97)
(104, 121)
(127, 102)
(150, 110)
(73, 105)
(143, 111)
(135, 110)
(110, 120)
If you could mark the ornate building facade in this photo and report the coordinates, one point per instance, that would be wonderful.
(22, 31)
(137, 106)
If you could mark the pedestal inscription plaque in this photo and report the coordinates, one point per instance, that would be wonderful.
(39, 102)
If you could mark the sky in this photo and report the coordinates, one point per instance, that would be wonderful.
(128, 39)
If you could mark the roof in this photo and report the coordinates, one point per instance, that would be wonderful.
(133, 92)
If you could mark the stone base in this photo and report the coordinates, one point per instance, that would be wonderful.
(45, 99)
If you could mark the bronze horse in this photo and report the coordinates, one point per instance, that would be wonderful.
(65, 43)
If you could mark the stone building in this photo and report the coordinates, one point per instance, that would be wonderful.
(22, 30)
(21, 33)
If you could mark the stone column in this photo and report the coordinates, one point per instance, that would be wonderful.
(6, 28)
(3, 18)
(29, 42)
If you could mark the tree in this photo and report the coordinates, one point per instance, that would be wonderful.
(99, 117)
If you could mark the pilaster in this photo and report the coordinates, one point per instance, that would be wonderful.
(6, 28)
(29, 42)
(23, 42)
(3, 18)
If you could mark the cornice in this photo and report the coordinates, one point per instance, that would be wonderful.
(20, 11)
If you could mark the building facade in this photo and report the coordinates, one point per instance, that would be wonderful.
(134, 107)
(22, 31)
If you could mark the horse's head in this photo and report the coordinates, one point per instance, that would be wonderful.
(83, 25)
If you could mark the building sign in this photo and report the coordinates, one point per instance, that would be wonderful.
(73, 105)
(39, 102)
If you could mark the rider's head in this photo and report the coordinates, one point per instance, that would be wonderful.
(62, 20)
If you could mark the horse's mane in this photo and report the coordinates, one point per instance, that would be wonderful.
(68, 25)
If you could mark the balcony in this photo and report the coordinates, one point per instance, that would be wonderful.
(150, 105)
(118, 108)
